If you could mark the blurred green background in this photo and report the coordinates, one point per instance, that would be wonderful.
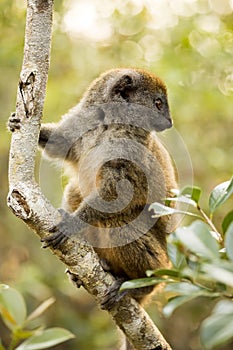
(189, 44)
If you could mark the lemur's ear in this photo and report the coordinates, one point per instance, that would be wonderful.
(124, 87)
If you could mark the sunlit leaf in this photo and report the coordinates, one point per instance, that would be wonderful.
(229, 241)
(220, 194)
(220, 271)
(227, 221)
(183, 199)
(7, 317)
(183, 288)
(177, 258)
(193, 192)
(163, 210)
(46, 339)
(223, 307)
(218, 328)
(12, 307)
(40, 309)
(198, 239)
(186, 288)
(193, 274)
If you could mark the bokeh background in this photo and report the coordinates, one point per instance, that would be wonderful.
(189, 44)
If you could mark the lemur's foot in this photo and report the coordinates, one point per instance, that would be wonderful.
(60, 232)
(113, 295)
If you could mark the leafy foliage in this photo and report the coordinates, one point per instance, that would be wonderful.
(14, 315)
(202, 260)
(220, 194)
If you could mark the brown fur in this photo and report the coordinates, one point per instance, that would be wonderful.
(80, 139)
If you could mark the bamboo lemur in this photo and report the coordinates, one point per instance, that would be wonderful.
(117, 168)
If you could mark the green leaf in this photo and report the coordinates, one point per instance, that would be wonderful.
(229, 241)
(192, 192)
(174, 303)
(183, 199)
(218, 328)
(177, 258)
(187, 291)
(21, 334)
(163, 272)
(143, 282)
(183, 288)
(163, 210)
(40, 309)
(220, 271)
(12, 307)
(198, 239)
(227, 221)
(220, 194)
(46, 339)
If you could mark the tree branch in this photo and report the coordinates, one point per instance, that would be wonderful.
(28, 202)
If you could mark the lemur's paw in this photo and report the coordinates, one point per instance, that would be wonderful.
(60, 232)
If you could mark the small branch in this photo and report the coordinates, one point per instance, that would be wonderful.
(28, 202)
(210, 223)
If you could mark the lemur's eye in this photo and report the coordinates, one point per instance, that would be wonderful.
(159, 104)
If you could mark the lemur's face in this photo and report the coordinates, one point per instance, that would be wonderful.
(136, 87)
